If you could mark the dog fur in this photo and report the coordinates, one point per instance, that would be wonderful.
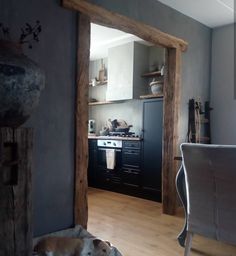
(65, 246)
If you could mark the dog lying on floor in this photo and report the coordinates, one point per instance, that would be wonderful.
(65, 246)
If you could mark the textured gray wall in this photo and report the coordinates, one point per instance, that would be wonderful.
(223, 120)
(196, 61)
(53, 121)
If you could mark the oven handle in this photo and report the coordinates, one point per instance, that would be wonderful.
(104, 149)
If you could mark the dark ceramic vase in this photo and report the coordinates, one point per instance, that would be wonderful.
(21, 82)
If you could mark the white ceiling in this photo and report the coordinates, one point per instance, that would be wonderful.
(103, 38)
(212, 13)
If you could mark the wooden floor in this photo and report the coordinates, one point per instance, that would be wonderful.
(137, 227)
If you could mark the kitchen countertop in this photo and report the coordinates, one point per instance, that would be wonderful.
(113, 137)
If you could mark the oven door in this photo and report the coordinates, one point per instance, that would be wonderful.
(105, 175)
(102, 162)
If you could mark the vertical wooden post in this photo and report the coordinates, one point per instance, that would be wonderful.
(15, 192)
(81, 121)
(172, 92)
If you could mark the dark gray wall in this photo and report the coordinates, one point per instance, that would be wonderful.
(53, 121)
(223, 86)
(53, 181)
(196, 61)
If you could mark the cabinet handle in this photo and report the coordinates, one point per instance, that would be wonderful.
(104, 149)
(131, 171)
(131, 153)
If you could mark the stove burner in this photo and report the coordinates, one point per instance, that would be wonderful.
(122, 134)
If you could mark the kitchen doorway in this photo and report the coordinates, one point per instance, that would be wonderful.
(172, 88)
(126, 76)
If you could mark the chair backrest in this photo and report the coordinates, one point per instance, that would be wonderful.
(210, 172)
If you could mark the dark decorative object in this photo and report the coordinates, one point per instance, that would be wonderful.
(21, 81)
(4, 30)
(29, 34)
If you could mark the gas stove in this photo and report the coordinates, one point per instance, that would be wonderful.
(123, 134)
(109, 143)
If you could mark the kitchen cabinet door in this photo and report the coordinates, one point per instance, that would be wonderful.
(126, 63)
(152, 148)
(92, 163)
(131, 158)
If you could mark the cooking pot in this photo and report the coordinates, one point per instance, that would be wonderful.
(118, 126)
(122, 129)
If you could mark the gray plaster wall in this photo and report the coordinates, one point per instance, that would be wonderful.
(223, 116)
(196, 61)
(53, 120)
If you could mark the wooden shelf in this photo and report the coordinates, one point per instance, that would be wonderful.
(178, 158)
(151, 74)
(99, 83)
(150, 96)
(99, 103)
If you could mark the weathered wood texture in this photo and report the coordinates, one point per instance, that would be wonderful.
(172, 91)
(15, 192)
(110, 19)
(81, 119)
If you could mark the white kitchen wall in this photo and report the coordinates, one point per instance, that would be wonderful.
(223, 121)
(130, 111)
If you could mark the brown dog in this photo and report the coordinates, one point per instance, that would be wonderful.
(64, 246)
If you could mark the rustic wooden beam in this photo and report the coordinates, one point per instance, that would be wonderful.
(172, 92)
(81, 121)
(110, 19)
(16, 191)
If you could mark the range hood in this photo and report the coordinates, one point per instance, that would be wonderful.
(126, 64)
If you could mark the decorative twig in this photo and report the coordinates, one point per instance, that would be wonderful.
(30, 33)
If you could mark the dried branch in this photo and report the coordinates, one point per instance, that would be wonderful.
(30, 33)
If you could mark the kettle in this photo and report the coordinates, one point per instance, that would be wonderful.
(91, 126)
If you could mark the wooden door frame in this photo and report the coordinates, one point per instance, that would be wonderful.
(172, 91)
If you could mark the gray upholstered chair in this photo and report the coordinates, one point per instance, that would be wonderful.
(210, 175)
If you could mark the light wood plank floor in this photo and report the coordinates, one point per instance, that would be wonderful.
(137, 227)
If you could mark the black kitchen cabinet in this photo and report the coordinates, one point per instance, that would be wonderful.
(138, 162)
(131, 167)
(152, 148)
(108, 178)
(92, 163)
